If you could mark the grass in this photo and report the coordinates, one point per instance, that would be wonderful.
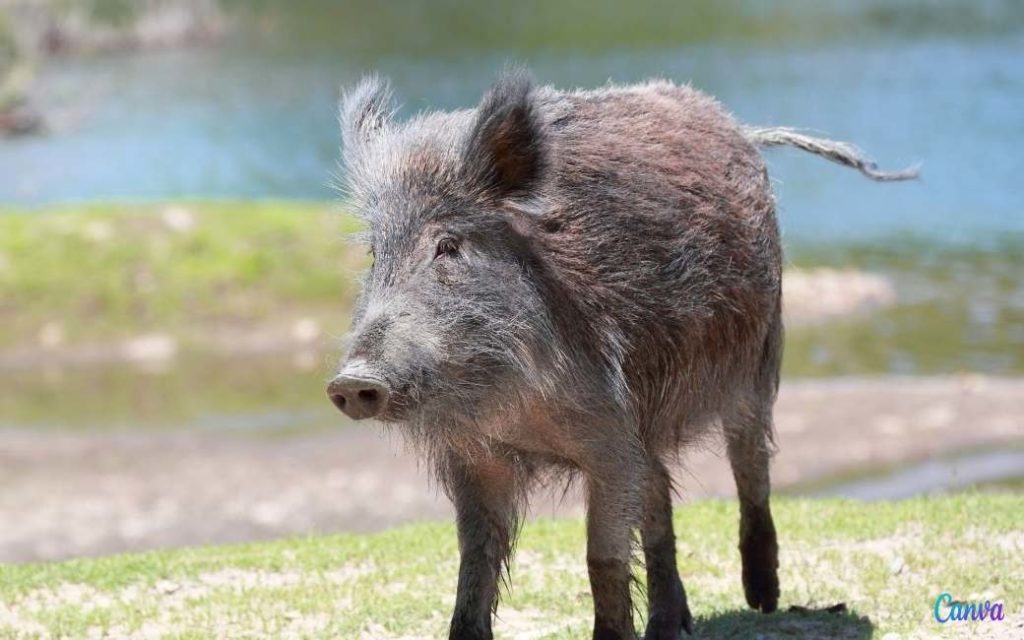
(887, 561)
(96, 273)
(103, 271)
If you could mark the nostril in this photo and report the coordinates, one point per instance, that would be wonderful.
(368, 396)
(338, 400)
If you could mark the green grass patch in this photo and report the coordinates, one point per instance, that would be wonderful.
(100, 273)
(105, 271)
(887, 561)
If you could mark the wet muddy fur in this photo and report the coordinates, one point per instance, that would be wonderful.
(581, 282)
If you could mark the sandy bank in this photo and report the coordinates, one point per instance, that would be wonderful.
(68, 495)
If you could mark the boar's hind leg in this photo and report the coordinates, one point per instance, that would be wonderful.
(668, 612)
(485, 497)
(614, 503)
(747, 433)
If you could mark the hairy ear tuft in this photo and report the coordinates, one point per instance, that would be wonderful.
(364, 111)
(505, 150)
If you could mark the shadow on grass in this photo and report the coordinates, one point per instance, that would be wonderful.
(808, 625)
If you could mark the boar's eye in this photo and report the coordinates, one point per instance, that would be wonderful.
(447, 247)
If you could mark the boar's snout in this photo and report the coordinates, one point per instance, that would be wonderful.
(358, 392)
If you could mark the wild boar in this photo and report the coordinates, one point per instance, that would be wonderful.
(577, 281)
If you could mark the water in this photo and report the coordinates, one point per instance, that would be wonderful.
(255, 117)
(273, 394)
(990, 469)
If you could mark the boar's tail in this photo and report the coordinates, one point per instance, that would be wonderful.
(840, 152)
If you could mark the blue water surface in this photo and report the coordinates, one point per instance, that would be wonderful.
(245, 120)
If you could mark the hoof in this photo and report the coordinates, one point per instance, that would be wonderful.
(670, 627)
(761, 588)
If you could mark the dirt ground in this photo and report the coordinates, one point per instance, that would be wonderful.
(66, 495)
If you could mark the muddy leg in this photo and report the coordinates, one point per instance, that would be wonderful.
(668, 613)
(749, 454)
(485, 503)
(613, 504)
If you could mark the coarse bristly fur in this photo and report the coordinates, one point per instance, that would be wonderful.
(585, 281)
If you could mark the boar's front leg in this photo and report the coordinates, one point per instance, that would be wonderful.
(614, 504)
(485, 496)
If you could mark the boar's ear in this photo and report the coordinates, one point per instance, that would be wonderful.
(505, 151)
(364, 111)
